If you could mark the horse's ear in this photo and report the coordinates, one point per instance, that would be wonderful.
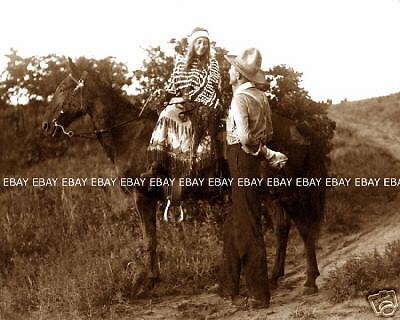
(73, 68)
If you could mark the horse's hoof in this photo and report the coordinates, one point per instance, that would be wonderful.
(149, 284)
(143, 285)
(310, 290)
(137, 284)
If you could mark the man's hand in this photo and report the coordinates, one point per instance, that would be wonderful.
(276, 159)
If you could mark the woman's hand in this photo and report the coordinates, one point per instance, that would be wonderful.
(157, 99)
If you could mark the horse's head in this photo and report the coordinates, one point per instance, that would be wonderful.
(68, 103)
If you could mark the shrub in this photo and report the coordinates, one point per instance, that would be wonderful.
(367, 273)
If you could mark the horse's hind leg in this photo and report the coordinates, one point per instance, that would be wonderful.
(309, 229)
(309, 232)
(146, 278)
(281, 230)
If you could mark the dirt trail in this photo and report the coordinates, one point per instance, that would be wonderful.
(287, 301)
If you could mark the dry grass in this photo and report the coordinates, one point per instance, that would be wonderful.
(366, 274)
(361, 148)
(303, 313)
(67, 249)
(365, 146)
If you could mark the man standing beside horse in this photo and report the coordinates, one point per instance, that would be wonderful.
(248, 129)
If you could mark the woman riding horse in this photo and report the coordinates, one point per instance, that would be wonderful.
(181, 143)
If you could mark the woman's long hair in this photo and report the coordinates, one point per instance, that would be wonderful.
(203, 60)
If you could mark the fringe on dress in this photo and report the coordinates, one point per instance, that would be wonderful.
(183, 150)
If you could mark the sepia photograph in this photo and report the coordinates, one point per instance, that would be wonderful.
(199, 160)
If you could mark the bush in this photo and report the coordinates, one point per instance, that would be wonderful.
(22, 126)
(367, 273)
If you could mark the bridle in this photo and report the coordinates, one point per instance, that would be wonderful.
(80, 84)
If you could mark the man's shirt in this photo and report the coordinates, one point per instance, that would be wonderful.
(249, 117)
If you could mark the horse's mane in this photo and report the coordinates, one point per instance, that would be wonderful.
(127, 106)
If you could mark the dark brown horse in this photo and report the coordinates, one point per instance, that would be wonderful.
(305, 206)
(124, 133)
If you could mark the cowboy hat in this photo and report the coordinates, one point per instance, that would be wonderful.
(248, 63)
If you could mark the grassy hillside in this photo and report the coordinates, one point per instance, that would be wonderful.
(381, 111)
(370, 123)
(366, 144)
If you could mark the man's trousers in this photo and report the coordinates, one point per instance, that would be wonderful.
(244, 247)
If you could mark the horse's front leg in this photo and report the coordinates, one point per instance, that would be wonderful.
(147, 278)
(281, 230)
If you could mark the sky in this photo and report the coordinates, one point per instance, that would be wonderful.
(346, 49)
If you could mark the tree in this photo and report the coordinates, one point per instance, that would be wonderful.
(112, 72)
(155, 71)
(31, 79)
(35, 78)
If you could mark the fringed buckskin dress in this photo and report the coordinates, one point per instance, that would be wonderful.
(184, 144)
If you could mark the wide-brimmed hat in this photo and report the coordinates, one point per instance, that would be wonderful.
(248, 63)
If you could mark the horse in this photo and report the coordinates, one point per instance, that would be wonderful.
(124, 131)
(305, 207)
